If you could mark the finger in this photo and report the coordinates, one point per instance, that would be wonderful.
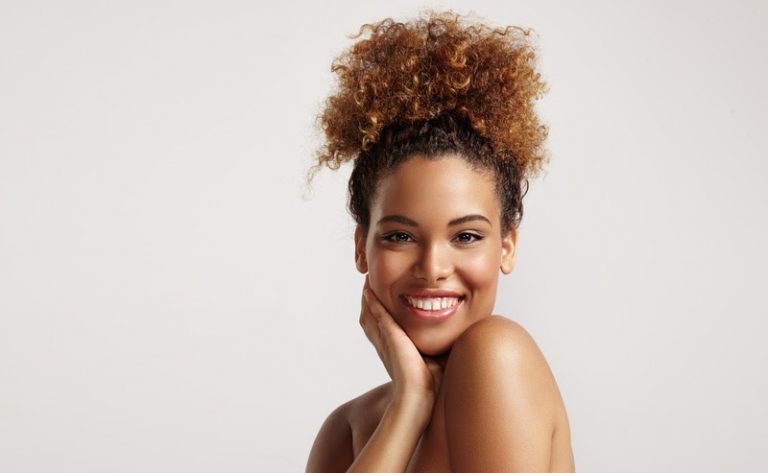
(373, 333)
(373, 302)
(380, 313)
(370, 325)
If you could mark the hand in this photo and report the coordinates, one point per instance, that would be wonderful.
(414, 377)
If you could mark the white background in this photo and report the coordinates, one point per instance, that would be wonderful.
(173, 299)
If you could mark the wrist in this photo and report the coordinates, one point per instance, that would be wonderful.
(416, 407)
(392, 444)
(411, 396)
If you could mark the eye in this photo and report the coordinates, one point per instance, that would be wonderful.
(397, 237)
(466, 237)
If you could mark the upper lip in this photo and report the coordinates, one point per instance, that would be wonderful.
(430, 293)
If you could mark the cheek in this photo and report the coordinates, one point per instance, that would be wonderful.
(384, 269)
(482, 271)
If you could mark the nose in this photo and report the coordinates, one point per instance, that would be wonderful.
(434, 264)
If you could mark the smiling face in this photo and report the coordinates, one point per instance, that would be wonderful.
(434, 248)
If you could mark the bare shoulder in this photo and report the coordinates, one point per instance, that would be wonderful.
(365, 413)
(332, 449)
(338, 441)
(500, 397)
(370, 402)
(499, 329)
(497, 346)
(501, 339)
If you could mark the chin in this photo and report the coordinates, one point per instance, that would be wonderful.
(430, 346)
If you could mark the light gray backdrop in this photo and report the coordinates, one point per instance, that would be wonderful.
(173, 299)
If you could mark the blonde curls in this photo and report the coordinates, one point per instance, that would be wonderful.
(409, 72)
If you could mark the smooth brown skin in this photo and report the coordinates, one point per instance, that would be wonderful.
(472, 393)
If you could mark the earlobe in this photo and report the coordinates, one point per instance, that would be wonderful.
(508, 251)
(360, 260)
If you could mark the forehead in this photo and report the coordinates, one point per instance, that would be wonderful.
(438, 189)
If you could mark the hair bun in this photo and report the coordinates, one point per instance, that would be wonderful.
(416, 70)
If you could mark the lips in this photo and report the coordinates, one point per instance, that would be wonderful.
(432, 304)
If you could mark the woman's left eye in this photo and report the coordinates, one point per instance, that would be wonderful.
(468, 237)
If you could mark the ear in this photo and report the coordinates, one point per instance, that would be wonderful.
(360, 260)
(508, 251)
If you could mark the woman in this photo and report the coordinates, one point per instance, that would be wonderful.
(437, 116)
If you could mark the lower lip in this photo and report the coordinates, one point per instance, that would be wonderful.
(433, 315)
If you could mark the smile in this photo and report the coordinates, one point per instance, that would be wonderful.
(432, 308)
(432, 303)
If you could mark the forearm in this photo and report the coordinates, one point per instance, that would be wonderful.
(392, 443)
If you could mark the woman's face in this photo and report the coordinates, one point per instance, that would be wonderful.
(434, 248)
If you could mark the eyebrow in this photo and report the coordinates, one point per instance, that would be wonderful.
(456, 221)
(468, 218)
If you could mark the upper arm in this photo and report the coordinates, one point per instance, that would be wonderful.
(500, 400)
(332, 450)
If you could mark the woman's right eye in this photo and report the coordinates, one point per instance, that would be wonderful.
(397, 237)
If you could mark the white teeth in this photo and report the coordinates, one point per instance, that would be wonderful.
(433, 303)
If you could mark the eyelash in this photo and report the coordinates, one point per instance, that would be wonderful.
(389, 237)
(475, 237)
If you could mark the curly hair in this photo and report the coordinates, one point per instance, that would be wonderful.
(431, 86)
